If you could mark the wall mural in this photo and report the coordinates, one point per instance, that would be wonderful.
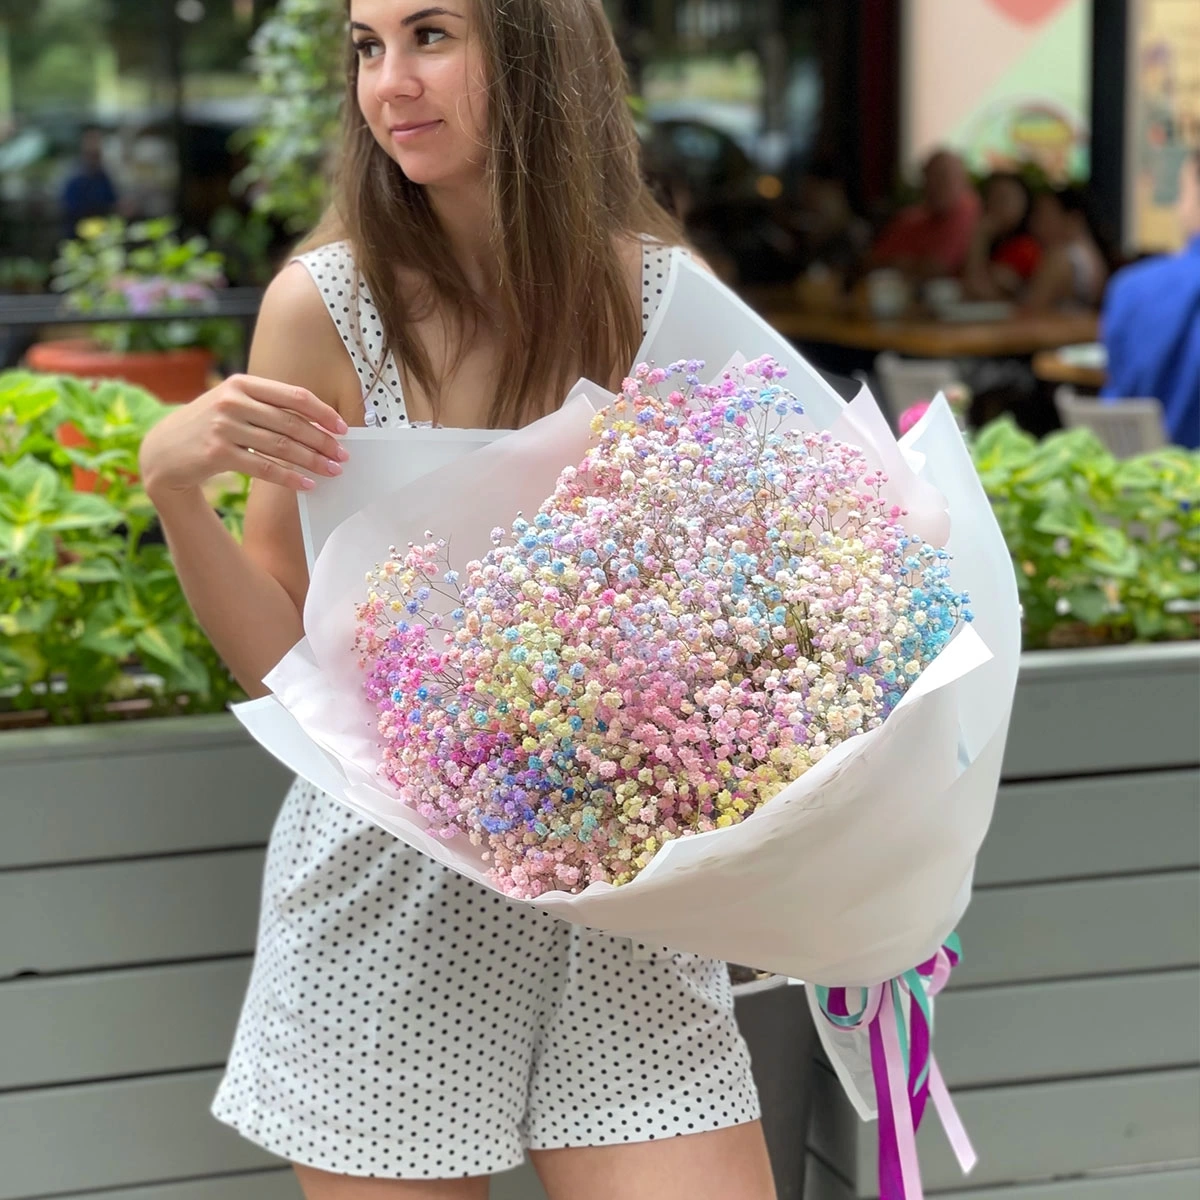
(1005, 82)
(1164, 117)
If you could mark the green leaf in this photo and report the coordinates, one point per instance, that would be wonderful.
(26, 540)
(26, 396)
(102, 570)
(163, 644)
(1066, 520)
(34, 485)
(192, 676)
(1124, 566)
(1107, 543)
(1089, 604)
(105, 632)
(82, 510)
(29, 618)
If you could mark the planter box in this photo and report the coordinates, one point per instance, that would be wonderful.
(1071, 1032)
(130, 868)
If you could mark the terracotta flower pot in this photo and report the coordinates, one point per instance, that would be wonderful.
(174, 376)
(68, 434)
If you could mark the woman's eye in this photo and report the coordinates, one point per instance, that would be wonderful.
(366, 48)
(430, 36)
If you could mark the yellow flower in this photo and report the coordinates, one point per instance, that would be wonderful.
(91, 228)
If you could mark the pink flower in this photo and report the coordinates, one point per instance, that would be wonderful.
(911, 415)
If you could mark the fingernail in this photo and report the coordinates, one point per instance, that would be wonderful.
(342, 427)
(343, 454)
(308, 484)
(334, 468)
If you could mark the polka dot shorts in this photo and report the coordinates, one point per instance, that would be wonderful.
(403, 1022)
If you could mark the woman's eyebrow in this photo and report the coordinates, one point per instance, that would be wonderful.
(426, 13)
(423, 15)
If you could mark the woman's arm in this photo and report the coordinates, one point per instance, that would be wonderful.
(249, 598)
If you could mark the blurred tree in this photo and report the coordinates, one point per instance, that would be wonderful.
(297, 54)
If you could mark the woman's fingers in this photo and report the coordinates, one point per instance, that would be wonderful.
(260, 466)
(288, 396)
(287, 450)
(285, 424)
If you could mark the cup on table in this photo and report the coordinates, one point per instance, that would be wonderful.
(887, 294)
(941, 294)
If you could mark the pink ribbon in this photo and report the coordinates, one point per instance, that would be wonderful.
(906, 1076)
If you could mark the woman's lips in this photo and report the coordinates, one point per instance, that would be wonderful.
(407, 133)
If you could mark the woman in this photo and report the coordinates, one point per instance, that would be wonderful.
(1003, 255)
(1074, 267)
(407, 1033)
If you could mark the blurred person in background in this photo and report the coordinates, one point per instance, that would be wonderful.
(89, 190)
(828, 230)
(1151, 323)
(1004, 255)
(932, 238)
(1075, 257)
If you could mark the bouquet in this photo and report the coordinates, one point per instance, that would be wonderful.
(717, 690)
(708, 605)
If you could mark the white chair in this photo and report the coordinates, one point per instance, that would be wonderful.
(1126, 427)
(908, 381)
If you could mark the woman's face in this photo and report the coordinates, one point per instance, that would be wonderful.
(422, 87)
(1005, 204)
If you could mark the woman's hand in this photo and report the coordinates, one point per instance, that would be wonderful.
(271, 431)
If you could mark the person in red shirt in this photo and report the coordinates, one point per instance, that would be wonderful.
(932, 238)
(1004, 255)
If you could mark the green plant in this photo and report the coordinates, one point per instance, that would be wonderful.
(23, 274)
(297, 54)
(245, 240)
(139, 268)
(91, 613)
(1104, 549)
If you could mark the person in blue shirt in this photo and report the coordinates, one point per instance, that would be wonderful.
(1151, 324)
(89, 190)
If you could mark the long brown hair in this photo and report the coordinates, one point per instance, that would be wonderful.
(564, 184)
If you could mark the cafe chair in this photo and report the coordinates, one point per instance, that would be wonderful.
(1126, 427)
(908, 381)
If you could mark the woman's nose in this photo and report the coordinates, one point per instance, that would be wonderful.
(397, 80)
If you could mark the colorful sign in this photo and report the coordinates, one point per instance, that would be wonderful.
(1164, 117)
(1005, 82)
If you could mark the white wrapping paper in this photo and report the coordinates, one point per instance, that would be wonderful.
(854, 873)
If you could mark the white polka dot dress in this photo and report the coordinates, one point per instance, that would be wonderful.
(405, 1023)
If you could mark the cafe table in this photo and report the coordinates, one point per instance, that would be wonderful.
(925, 337)
(1080, 366)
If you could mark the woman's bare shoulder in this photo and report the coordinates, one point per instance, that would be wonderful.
(295, 341)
